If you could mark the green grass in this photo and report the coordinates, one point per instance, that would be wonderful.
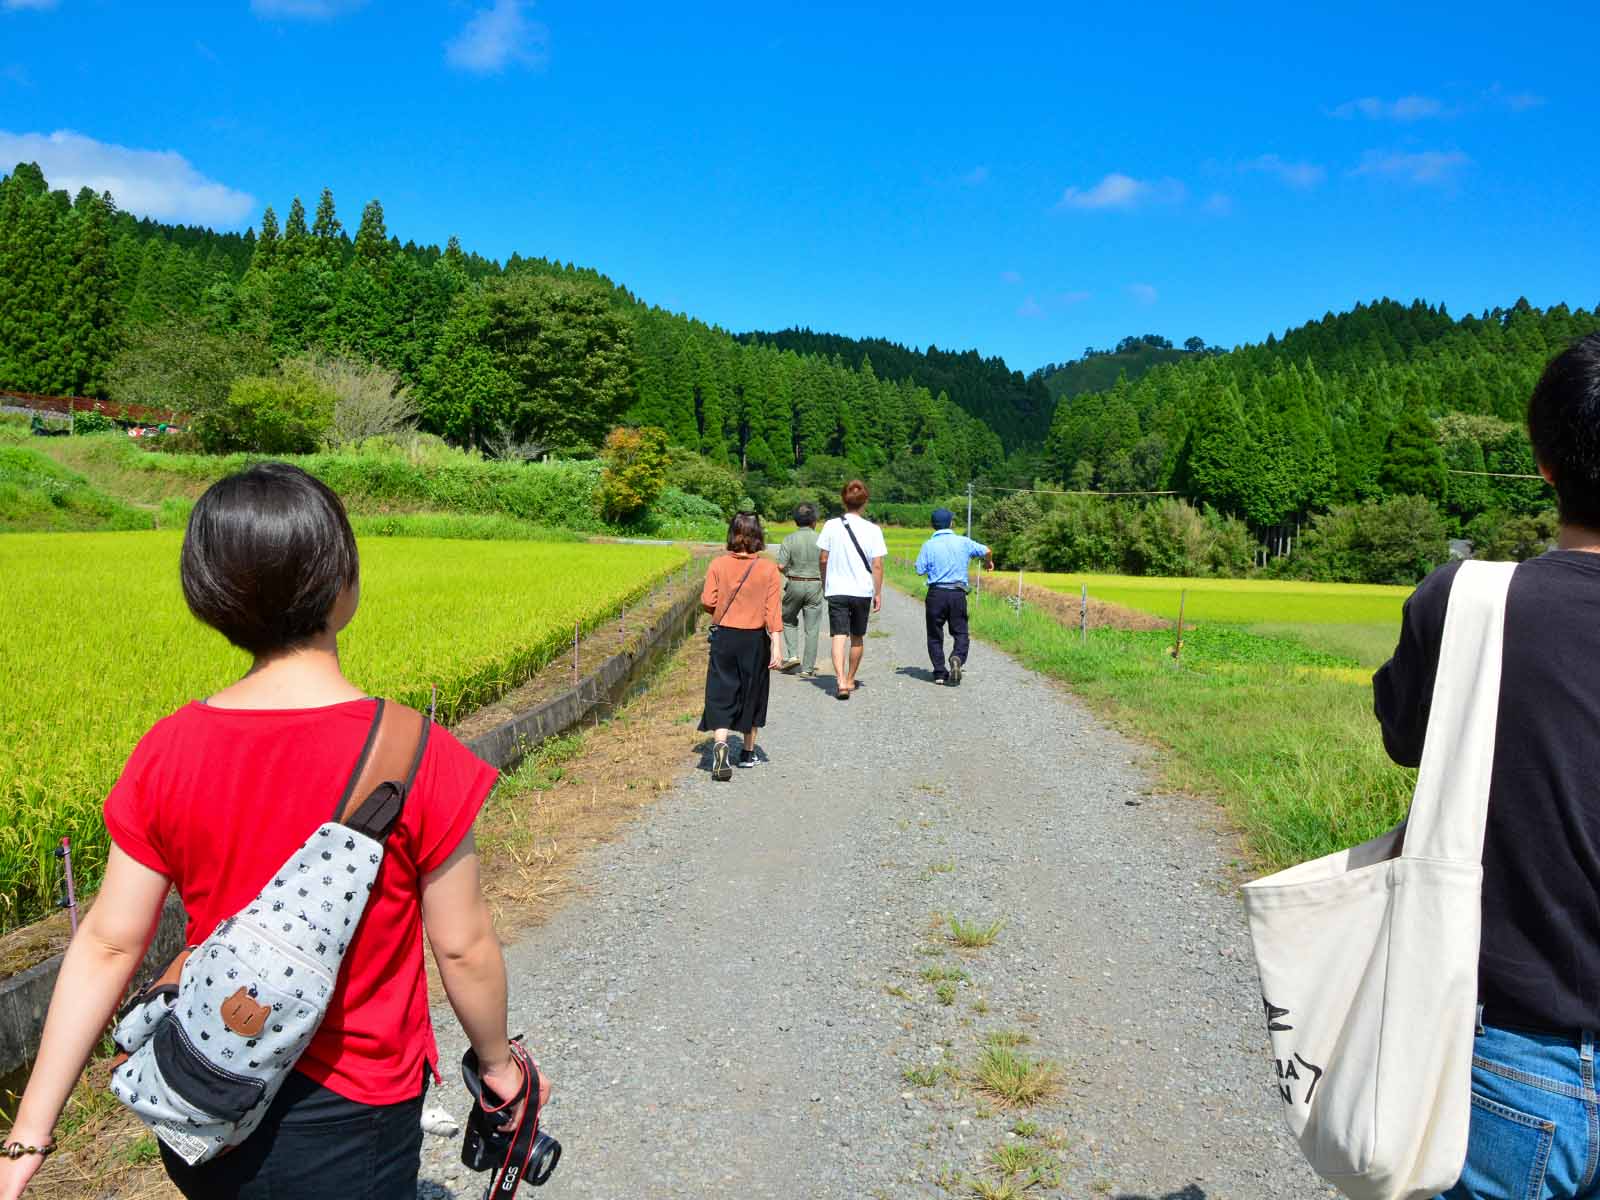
(1280, 731)
(1014, 1080)
(38, 495)
(98, 645)
(971, 935)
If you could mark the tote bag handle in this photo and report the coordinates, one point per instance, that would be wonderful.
(1451, 801)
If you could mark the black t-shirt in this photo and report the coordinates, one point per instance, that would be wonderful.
(1539, 967)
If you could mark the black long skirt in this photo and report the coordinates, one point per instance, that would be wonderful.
(737, 680)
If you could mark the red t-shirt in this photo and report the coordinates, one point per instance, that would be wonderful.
(217, 799)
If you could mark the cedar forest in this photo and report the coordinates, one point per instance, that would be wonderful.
(1386, 401)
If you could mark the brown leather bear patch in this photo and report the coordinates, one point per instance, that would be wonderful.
(242, 1014)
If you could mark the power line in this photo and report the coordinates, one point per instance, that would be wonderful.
(1496, 474)
(1047, 492)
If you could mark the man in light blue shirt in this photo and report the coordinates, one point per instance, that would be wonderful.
(945, 559)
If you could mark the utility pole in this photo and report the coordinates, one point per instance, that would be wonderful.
(969, 508)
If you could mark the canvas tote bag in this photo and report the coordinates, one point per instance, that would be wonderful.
(1369, 957)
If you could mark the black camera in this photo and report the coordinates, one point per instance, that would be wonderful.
(517, 1151)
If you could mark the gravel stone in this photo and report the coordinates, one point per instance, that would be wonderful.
(715, 1011)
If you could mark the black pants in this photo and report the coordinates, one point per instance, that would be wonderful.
(314, 1145)
(945, 604)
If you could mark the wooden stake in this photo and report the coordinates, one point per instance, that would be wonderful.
(1177, 649)
(1083, 616)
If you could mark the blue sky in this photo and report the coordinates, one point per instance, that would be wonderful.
(1027, 179)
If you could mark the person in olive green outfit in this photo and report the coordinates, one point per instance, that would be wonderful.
(802, 590)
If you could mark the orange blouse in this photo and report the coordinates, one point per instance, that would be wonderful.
(759, 602)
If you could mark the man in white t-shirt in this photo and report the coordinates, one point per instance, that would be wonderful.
(852, 550)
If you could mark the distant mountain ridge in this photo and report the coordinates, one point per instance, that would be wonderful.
(1015, 407)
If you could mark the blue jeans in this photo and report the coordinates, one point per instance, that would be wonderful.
(1535, 1119)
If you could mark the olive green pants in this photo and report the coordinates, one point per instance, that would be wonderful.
(798, 599)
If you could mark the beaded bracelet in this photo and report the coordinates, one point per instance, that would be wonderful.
(18, 1150)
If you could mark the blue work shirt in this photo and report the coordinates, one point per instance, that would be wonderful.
(944, 558)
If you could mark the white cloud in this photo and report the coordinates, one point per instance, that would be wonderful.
(153, 183)
(1219, 204)
(1404, 108)
(1426, 166)
(1143, 293)
(497, 37)
(1011, 277)
(1117, 190)
(1498, 97)
(303, 10)
(39, 5)
(1031, 310)
(1301, 175)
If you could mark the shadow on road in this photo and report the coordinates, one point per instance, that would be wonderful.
(1192, 1192)
(925, 674)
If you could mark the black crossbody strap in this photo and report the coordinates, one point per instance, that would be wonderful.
(726, 607)
(865, 561)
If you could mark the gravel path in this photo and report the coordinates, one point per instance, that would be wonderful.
(731, 1009)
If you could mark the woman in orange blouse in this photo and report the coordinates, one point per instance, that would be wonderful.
(744, 595)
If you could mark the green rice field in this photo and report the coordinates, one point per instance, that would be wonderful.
(98, 644)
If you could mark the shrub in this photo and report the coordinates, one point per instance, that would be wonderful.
(1005, 527)
(1171, 537)
(673, 505)
(635, 473)
(92, 421)
(1511, 537)
(368, 400)
(269, 414)
(1081, 534)
(1391, 541)
(688, 472)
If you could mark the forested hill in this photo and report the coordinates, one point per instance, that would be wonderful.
(1386, 400)
(524, 356)
(1098, 369)
(1016, 408)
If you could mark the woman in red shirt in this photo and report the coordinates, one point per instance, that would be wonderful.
(218, 795)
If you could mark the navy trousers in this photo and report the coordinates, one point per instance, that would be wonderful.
(945, 605)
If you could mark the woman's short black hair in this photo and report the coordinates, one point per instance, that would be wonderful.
(745, 535)
(805, 514)
(267, 554)
(1564, 426)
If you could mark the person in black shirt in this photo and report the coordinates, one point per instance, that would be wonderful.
(1535, 1109)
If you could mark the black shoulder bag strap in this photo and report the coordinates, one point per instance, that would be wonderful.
(865, 561)
(729, 605)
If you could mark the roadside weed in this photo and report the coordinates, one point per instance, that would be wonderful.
(972, 935)
(1014, 1080)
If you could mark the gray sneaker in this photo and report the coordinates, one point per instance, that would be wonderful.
(720, 770)
(955, 671)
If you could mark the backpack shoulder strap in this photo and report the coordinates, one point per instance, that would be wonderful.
(376, 792)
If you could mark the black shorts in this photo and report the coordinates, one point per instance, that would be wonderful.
(847, 615)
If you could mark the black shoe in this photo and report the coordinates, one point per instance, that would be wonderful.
(720, 770)
(749, 758)
(955, 671)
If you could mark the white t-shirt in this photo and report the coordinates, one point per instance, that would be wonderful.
(847, 575)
